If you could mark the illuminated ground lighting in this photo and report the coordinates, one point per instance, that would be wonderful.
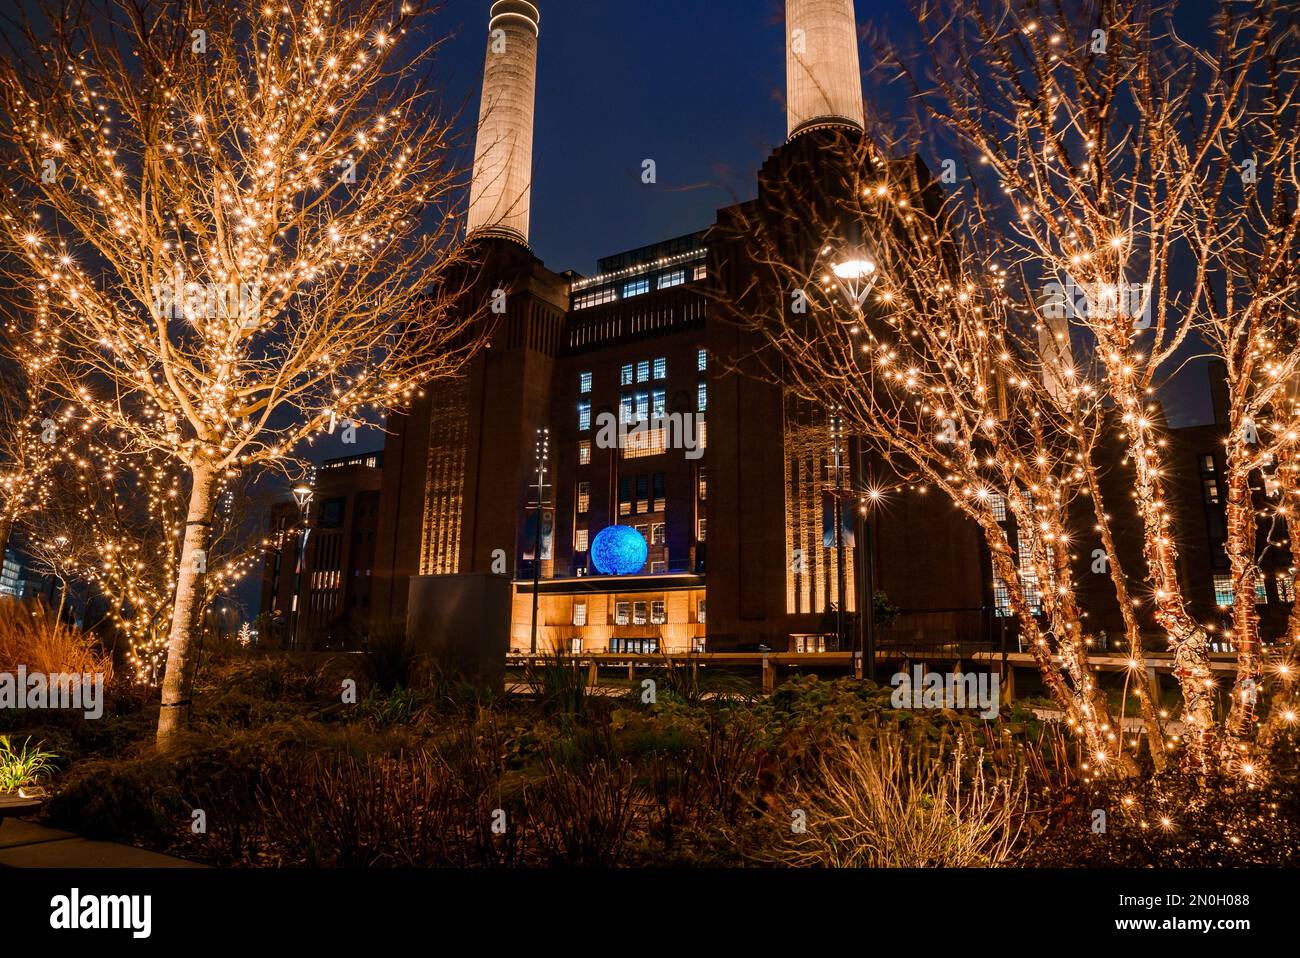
(619, 550)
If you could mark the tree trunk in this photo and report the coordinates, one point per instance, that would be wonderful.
(1187, 640)
(6, 528)
(173, 715)
(1282, 700)
(1132, 629)
(1240, 546)
(1008, 570)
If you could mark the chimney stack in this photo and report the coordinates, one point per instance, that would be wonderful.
(823, 84)
(499, 194)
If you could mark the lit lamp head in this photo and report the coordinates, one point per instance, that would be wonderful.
(856, 273)
(302, 494)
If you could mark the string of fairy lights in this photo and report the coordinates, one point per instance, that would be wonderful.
(230, 248)
(965, 348)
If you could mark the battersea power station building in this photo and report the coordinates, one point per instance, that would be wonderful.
(609, 477)
(682, 506)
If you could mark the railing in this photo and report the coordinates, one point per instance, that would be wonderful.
(951, 633)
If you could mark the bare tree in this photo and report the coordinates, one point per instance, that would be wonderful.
(241, 215)
(30, 423)
(863, 300)
(1111, 151)
(116, 528)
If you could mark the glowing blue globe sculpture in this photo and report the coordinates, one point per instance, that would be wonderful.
(619, 550)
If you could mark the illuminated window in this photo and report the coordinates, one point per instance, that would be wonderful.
(656, 533)
(643, 370)
(700, 610)
(580, 613)
(575, 646)
(702, 397)
(1001, 598)
(998, 506)
(703, 485)
(657, 612)
(638, 613)
(644, 442)
(702, 360)
(700, 530)
(584, 452)
(636, 646)
(622, 613)
(584, 415)
(626, 409)
(1261, 590)
(1210, 488)
(1286, 586)
(697, 643)
(642, 407)
(625, 495)
(1028, 577)
(1223, 590)
(661, 368)
(644, 530)
(636, 287)
(584, 382)
(658, 403)
(658, 567)
(580, 541)
(659, 501)
(596, 298)
(625, 375)
(584, 497)
(700, 273)
(643, 493)
(675, 278)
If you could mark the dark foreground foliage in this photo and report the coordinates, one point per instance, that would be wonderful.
(280, 770)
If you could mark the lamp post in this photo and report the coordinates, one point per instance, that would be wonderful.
(542, 451)
(856, 273)
(837, 497)
(302, 494)
(867, 566)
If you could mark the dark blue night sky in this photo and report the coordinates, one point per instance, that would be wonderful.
(695, 86)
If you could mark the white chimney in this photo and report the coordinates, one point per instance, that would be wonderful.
(823, 83)
(503, 152)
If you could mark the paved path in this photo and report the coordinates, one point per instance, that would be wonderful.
(25, 845)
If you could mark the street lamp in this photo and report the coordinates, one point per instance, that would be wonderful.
(856, 274)
(867, 571)
(302, 494)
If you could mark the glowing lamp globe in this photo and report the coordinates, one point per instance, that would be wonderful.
(619, 550)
